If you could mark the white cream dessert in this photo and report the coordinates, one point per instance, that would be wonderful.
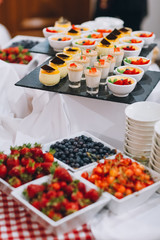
(62, 23)
(91, 54)
(49, 76)
(85, 61)
(56, 62)
(112, 60)
(93, 77)
(104, 67)
(75, 72)
(104, 47)
(82, 59)
(65, 57)
(73, 51)
(118, 53)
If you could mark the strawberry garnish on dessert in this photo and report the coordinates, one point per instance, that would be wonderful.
(92, 69)
(88, 50)
(135, 41)
(129, 71)
(73, 65)
(146, 35)
(129, 48)
(51, 30)
(139, 61)
(101, 61)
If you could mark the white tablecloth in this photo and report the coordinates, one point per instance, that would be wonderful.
(32, 115)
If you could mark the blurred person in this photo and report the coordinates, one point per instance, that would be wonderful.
(132, 12)
(4, 34)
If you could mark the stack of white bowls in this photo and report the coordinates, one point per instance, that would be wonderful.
(154, 162)
(140, 120)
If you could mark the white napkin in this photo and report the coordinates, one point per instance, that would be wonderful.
(141, 223)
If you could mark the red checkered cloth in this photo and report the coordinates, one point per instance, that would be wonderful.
(16, 224)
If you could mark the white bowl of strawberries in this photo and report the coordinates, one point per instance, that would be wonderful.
(20, 59)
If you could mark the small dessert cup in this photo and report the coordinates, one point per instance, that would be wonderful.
(93, 77)
(84, 61)
(104, 67)
(75, 72)
(91, 54)
(112, 60)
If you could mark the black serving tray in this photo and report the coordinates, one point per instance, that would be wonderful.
(44, 48)
(140, 93)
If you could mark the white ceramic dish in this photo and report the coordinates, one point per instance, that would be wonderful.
(138, 151)
(77, 43)
(157, 139)
(125, 40)
(140, 140)
(119, 206)
(121, 90)
(7, 188)
(147, 40)
(155, 162)
(112, 22)
(54, 31)
(86, 35)
(141, 131)
(139, 127)
(140, 158)
(137, 145)
(144, 111)
(67, 223)
(130, 53)
(46, 147)
(155, 156)
(154, 167)
(59, 45)
(157, 128)
(144, 66)
(138, 76)
(23, 69)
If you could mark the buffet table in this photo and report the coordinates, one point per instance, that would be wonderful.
(23, 112)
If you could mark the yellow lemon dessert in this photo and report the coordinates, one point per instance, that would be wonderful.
(65, 57)
(73, 51)
(104, 47)
(56, 62)
(49, 76)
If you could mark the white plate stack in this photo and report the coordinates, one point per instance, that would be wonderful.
(140, 120)
(154, 162)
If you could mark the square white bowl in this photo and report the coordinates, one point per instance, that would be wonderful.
(46, 147)
(119, 206)
(23, 69)
(7, 188)
(67, 223)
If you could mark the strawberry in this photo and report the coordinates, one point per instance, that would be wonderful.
(3, 170)
(48, 157)
(15, 150)
(3, 56)
(12, 161)
(46, 166)
(44, 201)
(56, 186)
(36, 204)
(62, 174)
(34, 189)
(54, 216)
(25, 160)
(15, 182)
(82, 187)
(28, 58)
(92, 194)
(3, 157)
(17, 171)
(25, 177)
(30, 168)
(39, 175)
(37, 151)
(11, 58)
(75, 196)
(51, 194)
(25, 151)
(68, 190)
(71, 207)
